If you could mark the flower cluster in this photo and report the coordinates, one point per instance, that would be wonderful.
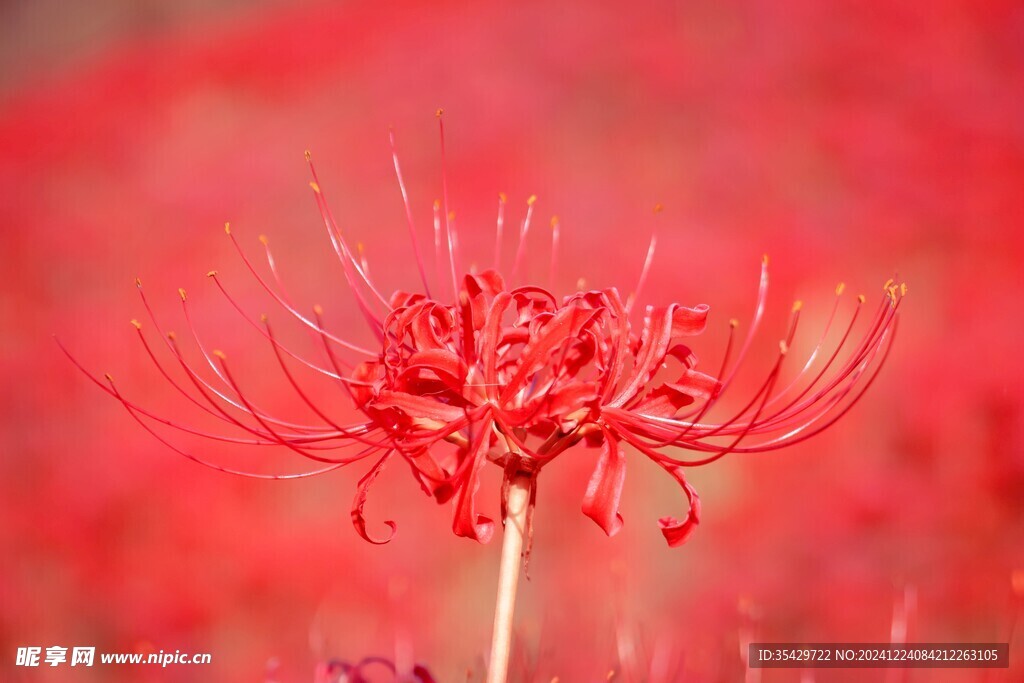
(515, 376)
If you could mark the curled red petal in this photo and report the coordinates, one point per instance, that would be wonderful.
(664, 401)
(362, 490)
(667, 399)
(601, 502)
(418, 406)
(443, 364)
(677, 532)
(687, 322)
(467, 522)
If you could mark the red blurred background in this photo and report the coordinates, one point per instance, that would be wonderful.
(848, 140)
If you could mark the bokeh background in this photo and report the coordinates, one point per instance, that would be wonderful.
(848, 140)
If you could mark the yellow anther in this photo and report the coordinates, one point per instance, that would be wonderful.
(437, 205)
(531, 200)
(783, 347)
(136, 324)
(861, 298)
(108, 376)
(658, 208)
(212, 273)
(263, 318)
(888, 284)
(181, 293)
(840, 287)
(439, 112)
(502, 197)
(308, 155)
(764, 260)
(360, 248)
(219, 354)
(734, 323)
(318, 309)
(451, 215)
(903, 289)
(797, 305)
(172, 336)
(554, 221)
(227, 228)
(263, 240)
(138, 282)
(316, 188)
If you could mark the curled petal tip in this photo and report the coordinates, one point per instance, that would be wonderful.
(360, 525)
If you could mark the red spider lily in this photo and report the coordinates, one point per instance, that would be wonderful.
(515, 376)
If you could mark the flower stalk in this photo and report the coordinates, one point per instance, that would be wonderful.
(508, 575)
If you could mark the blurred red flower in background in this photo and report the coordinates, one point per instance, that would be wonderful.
(846, 138)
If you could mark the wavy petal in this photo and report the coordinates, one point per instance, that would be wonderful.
(677, 532)
(467, 522)
(363, 488)
(601, 502)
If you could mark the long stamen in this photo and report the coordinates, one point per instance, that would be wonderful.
(309, 364)
(524, 231)
(632, 298)
(341, 248)
(448, 227)
(408, 215)
(284, 304)
(500, 230)
(553, 270)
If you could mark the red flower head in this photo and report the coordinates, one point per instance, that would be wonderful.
(515, 376)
